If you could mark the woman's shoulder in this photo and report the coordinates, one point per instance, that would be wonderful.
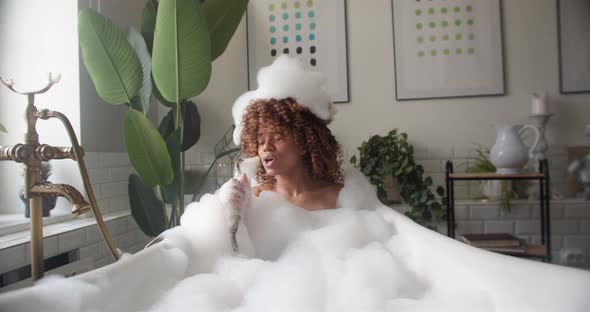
(257, 189)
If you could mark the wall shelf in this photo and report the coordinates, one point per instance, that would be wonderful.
(542, 250)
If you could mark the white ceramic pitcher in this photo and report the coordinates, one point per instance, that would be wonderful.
(509, 154)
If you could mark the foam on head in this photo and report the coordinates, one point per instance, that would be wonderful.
(286, 77)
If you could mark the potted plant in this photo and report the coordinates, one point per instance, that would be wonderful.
(49, 201)
(170, 59)
(501, 190)
(392, 156)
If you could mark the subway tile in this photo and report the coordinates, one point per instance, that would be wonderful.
(484, 212)
(442, 151)
(432, 166)
(99, 175)
(93, 234)
(498, 226)
(121, 174)
(555, 211)
(585, 227)
(114, 189)
(71, 240)
(50, 248)
(12, 258)
(461, 212)
(89, 251)
(528, 227)
(110, 160)
(565, 227)
(581, 210)
(120, 203)
(117, 226)
(469, 227)
(577, 242)
(516, 212)
(91, 160)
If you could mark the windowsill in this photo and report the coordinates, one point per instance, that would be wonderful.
(58, 225)
(12, 223)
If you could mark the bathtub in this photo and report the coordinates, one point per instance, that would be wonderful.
(137, 282)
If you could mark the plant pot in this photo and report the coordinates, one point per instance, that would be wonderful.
(48, 203)
(392, 188)
(492, 189)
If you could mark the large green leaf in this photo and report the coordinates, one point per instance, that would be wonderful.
(181, 57)
(109, 58)
(2, 129)
(223, 18)
(146, 149)
(148, 23)
(170, 191)
(191, 125)
(138, 44)
(159, 96)
(146, 209)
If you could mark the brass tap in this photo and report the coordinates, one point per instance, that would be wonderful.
(79, 205)
(31, 154)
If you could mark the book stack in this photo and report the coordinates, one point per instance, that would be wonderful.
(497, 242)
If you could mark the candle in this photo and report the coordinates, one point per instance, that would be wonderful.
(540, 105)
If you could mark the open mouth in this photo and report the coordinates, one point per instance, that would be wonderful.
(268, 161)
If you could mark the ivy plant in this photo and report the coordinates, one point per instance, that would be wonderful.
(393, 155)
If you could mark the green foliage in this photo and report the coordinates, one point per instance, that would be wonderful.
(481, 163)
(223, 18)
(146, 149)
(393, 155)
(146, 208)
(182, 51)
(140, 48)
(172, 57)
(109, 58)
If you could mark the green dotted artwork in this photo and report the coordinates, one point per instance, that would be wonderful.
(293, 27)
(444, 28)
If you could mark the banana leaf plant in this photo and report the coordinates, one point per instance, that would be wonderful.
(170, 58)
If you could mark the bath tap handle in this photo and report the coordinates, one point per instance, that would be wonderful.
(46, 152)
(18, 152)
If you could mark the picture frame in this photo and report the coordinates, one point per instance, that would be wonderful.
(447, 49)
(573, 46)
(315, 31)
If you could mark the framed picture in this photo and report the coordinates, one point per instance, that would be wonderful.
(312, 30)
(447, 48)
(574, 45)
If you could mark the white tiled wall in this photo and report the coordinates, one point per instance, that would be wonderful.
(570, 218)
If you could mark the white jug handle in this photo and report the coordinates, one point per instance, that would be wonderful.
(536, 139)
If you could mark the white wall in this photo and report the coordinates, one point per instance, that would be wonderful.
(531, 65)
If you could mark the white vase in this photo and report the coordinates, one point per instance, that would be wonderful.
(509, 154)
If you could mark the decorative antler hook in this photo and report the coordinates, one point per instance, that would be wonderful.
(52, 80)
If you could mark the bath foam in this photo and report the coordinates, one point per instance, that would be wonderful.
(360, 257)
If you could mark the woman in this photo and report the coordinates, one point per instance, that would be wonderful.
(300, 158)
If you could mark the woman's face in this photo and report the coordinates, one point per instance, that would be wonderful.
(278, 151)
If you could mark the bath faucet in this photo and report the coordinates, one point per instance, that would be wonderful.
(32, 154)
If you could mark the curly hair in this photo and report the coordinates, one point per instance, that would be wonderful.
(322, 158)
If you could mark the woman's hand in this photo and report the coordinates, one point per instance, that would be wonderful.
(235, 192)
